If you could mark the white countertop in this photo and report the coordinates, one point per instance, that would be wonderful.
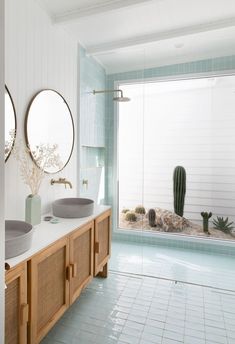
(46, 233)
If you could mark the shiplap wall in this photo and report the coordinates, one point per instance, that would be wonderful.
(2, 144)
(189, 123)
(38, 55)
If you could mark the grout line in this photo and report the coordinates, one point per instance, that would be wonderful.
(222, 308)
(168, 304)
(135, 275)
(221, 293)
(204, 313)
(126, 274)
(185, 309)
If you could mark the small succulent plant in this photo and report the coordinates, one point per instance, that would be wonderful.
(206, 217)
(130, 216)
(140, 210)
(152, 217)
(222, 224)
(125, 210)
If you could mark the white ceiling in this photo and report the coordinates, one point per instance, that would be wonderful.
(60, 7)
(131, 34)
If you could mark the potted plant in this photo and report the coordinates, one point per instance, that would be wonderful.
(33, 172)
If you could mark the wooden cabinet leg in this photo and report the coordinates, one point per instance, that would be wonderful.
(104, 272)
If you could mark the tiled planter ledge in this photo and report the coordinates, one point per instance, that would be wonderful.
(210, 246)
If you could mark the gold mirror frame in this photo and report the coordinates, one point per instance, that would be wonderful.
(26, 129)
(14, 111)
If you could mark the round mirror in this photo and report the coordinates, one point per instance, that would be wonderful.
(49, 131)
(10, 123)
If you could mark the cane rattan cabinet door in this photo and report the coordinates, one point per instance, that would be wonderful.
(102, 243)
(16, 307)
(81, 259)
(49, 288)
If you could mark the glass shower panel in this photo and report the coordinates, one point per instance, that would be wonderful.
(169, 122)
(131, 210)
(130, 159)
(127, 247)
(172, 120)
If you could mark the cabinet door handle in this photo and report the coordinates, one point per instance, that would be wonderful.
(97, 247)
(7, 266)
(24, 317)
(74, 269)
(69, 273)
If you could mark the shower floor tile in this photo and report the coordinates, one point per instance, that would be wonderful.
(174, 263)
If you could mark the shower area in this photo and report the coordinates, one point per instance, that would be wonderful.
(171, 278)
(174, 123)
(136, 128)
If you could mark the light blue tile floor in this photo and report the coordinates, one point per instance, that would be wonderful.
(136, 309)
(142, 310)
(174, 263)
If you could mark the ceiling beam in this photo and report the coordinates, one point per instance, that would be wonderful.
(160, 36)
(105, 6)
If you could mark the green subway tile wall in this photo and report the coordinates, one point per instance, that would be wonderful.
(92, 127)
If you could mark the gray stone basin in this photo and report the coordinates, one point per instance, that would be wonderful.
(73, 207)
(18, 237)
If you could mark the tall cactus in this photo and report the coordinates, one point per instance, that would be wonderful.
(206, 217)
(179, 179)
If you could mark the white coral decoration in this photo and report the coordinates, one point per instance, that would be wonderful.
(44, 155)
(10, 142)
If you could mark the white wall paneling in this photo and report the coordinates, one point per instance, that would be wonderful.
(2, 157)
(38, 55)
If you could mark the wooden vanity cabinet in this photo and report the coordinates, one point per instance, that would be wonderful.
(49, 288)
(16, 307)
(55, 278)
(81, 259)
(102, 244)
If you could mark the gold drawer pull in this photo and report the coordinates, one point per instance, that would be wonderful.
(97, 247)
(24, 313)
(74, 270)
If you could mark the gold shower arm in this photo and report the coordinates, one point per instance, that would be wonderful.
(108, 91)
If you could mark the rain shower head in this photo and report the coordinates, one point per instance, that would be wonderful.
(118, 98)
(121, 99)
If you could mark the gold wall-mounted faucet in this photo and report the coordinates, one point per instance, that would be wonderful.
(62, 181)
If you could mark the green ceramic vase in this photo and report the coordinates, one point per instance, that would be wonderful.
(33, 209)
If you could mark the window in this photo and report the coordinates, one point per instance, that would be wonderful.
(189, 123)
